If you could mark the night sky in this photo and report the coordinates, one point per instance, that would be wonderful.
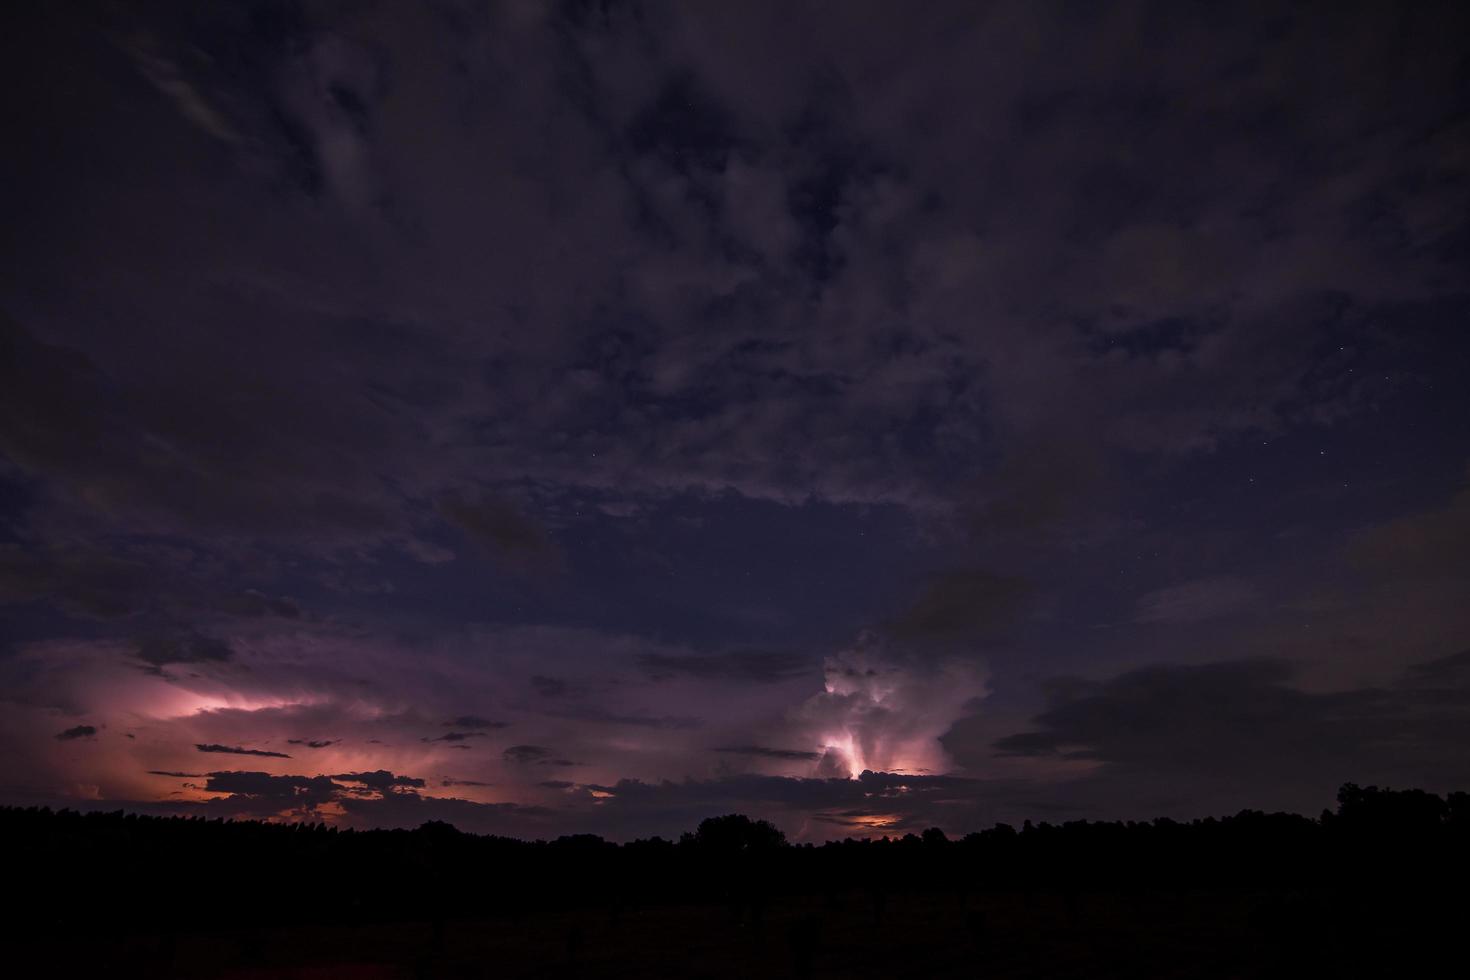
(593, 417)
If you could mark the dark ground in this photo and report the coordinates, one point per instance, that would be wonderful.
(1154, 934)
(1377, 888)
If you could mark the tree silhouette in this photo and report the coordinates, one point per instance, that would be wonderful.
(736, 833)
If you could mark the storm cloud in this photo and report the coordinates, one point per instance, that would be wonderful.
(958, 409)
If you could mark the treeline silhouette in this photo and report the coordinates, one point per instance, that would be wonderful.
(1382, 856)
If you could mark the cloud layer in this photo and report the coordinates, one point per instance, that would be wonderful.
(552, 405)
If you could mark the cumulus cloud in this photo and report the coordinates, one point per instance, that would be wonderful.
(885, 711)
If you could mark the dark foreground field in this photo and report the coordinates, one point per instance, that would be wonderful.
(1188, 934)
(1376, 889)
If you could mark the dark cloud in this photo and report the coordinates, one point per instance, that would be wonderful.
(764, 752)
(1428, 544)
(168, 584)
(182, 647)
(945, 316)
(49, 412)
(549, 687)
(1193, 716)
(962, 605)
(474, 722)
(82, 582)
(236, 750)
(263, 793)
(176, 775)
(501, 528)
(117, 441)
(602, 716)
(381, 780)
(1244, 723)
(313, 743)
(1052, 479)
(1195, 601)
(463, 782)
(455, 736)
(749, 666)
(76, 732)
(534, 755)
(555, 784)
(253, 603)
(1450, 673)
